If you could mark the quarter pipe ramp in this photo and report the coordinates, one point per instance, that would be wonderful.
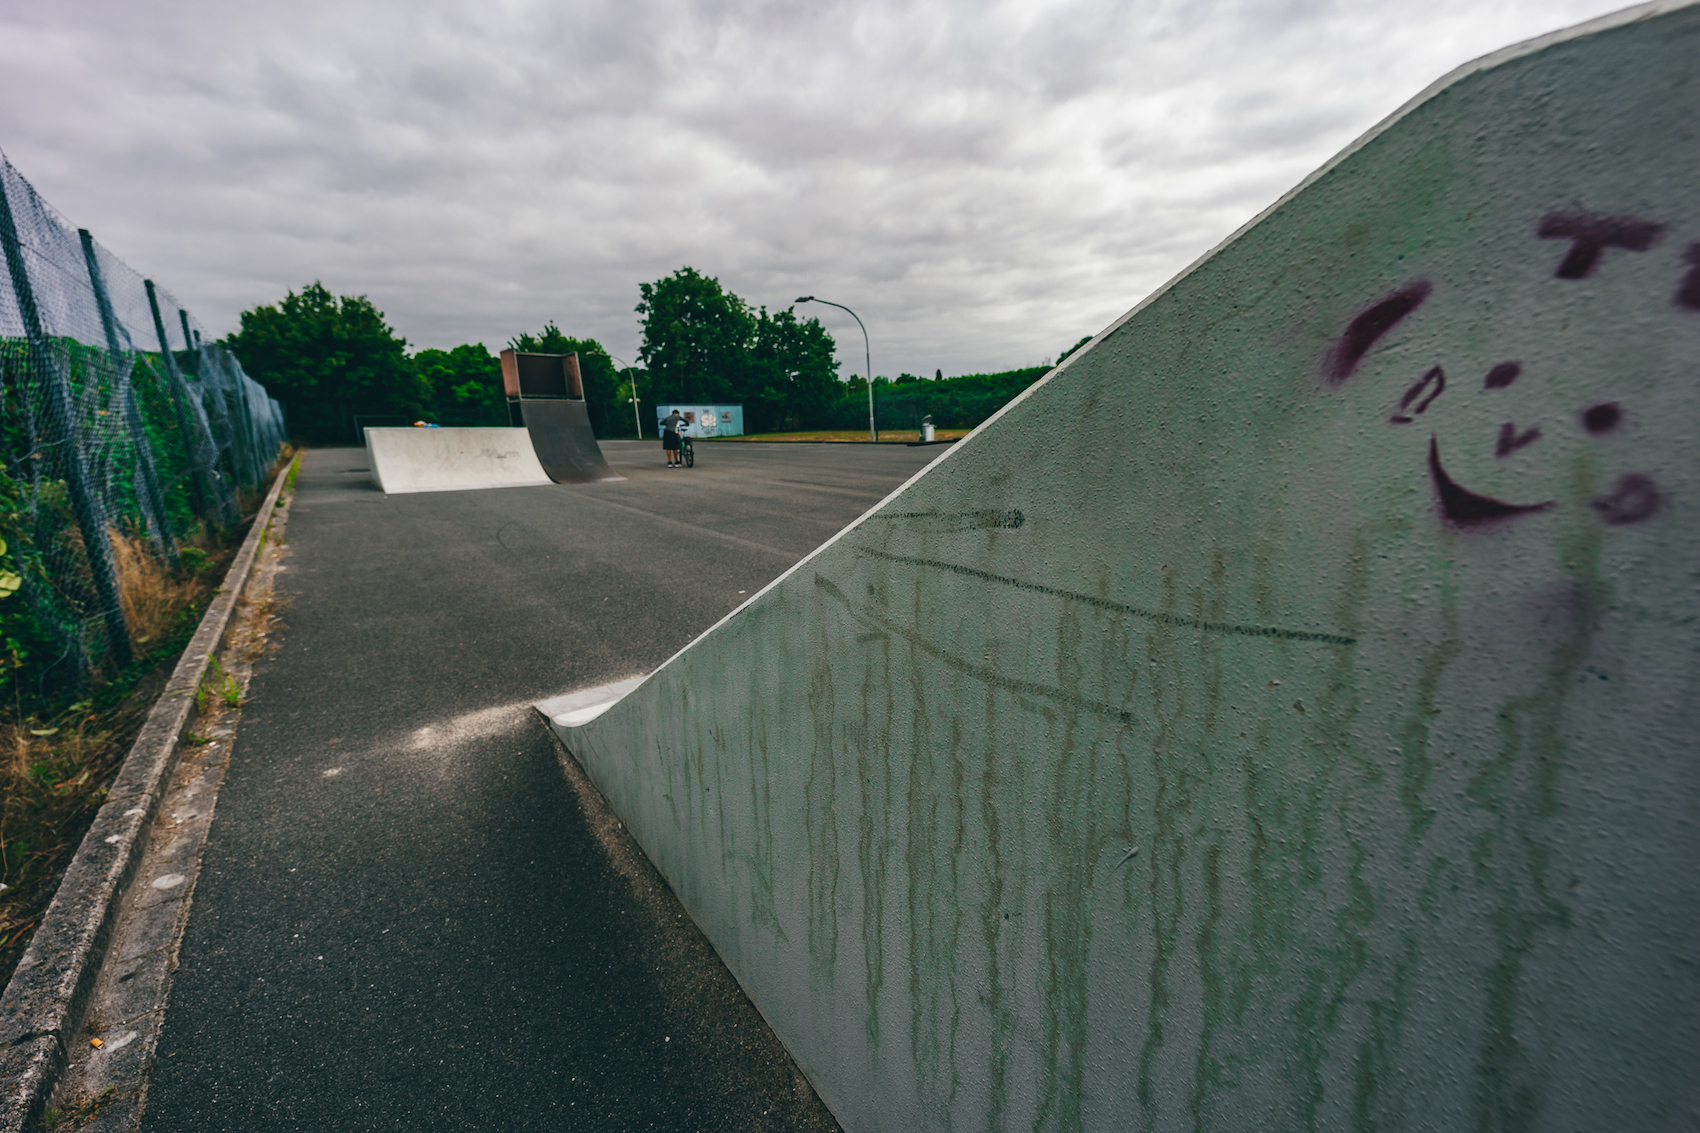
(448, 460)
(566, 447)
(556, 446)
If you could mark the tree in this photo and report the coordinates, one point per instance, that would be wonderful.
(791, 374)
(465, 385)
(1073, 348)
(329, 360)
(703, 343)
(595, 368)
(696, 337)
(953, 403)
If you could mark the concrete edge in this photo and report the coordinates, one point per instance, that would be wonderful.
(563, 716)
(43, 1005)
(575, 709)
(652, 888)
(470, 487)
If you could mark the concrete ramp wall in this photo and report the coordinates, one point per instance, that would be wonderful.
(448, 460)
(1285, 716)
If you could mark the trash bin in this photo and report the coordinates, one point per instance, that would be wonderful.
(926, 430)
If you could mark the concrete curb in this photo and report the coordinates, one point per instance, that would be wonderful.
(43, 1006)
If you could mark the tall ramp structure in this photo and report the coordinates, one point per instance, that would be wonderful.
(546, 396)
(1287, 714)
(550, 440)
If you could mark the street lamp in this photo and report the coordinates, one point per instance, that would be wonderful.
(637, 422)
(867, 357)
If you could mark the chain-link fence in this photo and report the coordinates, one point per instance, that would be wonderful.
(119, 427)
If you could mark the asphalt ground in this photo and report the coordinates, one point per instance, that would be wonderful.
(405, 917)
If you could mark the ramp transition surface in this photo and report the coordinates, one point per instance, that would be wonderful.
(448, 460)
(565, 445)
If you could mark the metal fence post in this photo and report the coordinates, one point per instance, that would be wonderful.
(250, 432)
(194, 367)
(189, 344)
(242, 450)
(152, 499)
(204, 495)
(63, 434)
(243, 446)
(197, 361)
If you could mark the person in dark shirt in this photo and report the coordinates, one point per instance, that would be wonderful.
(670, 427)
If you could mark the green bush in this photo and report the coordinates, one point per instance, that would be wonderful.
(952, 403)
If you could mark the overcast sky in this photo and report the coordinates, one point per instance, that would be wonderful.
(983, 183)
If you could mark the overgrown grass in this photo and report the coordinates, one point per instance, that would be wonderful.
(58, 761)
(58, 765)
(217, 685)
(76, 1114)
(151, 594)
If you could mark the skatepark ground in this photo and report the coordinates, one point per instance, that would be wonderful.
(405, 920)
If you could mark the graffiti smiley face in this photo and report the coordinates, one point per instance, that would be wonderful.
(1486, 412)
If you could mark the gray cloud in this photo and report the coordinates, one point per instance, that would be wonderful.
(984, 183)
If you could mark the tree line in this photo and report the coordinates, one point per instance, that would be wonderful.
(337, 365)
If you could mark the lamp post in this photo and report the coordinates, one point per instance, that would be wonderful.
(637, 422)
(867, 357)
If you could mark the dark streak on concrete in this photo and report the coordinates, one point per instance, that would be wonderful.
(1119, 607)
(983, 519)
(981, 673)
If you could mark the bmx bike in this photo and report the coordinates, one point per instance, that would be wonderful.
(687, 451)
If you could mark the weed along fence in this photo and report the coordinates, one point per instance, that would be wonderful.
(120, 428)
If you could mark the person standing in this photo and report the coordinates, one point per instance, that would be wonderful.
(670, 426)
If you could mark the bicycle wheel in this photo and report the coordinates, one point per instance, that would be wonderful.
(690, 454)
